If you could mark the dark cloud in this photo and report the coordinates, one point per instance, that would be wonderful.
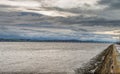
(116, 5)
(105, 1)
(7, 6)
(113, 4)
(4, 6)
(29, 18)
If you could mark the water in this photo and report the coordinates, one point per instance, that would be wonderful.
(46, 57)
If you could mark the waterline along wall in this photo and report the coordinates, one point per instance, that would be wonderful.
(107, 62)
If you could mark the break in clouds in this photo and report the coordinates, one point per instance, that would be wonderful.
(84, 20)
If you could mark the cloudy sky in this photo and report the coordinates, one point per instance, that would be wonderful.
(60, 19)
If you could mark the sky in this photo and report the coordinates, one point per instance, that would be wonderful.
(60, 20)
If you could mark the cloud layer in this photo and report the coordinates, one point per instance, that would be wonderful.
(112, 4)
(93, 20)
(65, 8)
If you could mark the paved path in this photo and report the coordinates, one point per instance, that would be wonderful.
(118, 58)
(111, 61)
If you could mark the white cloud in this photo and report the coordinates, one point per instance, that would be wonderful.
(74, 3)
(52, 13)
(25, 5)
(20, 3)
(49, 3)
(112, 32)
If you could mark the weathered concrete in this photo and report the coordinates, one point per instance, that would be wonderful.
(110, 63)
(107, 62)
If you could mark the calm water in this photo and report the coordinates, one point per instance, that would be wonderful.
(43, 57)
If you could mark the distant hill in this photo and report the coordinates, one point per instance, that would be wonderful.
(76, 41)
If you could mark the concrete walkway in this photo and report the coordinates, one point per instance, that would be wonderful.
(118, 58)
(111, 61)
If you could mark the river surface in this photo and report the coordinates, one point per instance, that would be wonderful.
(46, 57)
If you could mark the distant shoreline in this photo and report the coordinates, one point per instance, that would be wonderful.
(67, 41)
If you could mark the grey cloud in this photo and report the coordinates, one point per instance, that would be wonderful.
(7, 6)
(105, 1)
(4, 6)
(34, 18)
(27, 18)
(113, 4)
(116, 5)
